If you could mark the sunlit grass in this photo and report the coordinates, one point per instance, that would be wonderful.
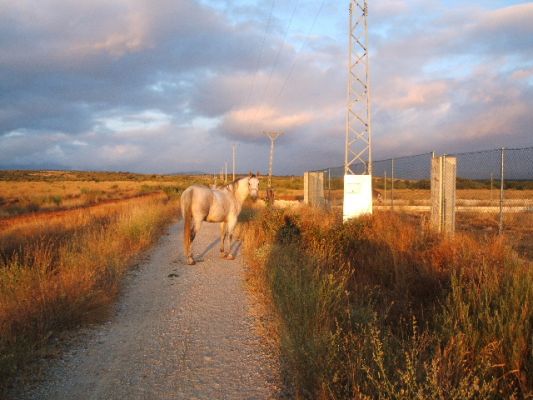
(381, 307)
(38, 191)
(54, 274)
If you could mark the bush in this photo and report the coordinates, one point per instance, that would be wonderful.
(380, 307)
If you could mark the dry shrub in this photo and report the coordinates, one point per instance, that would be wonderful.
(382, 307)
(22, 197)
(55, 274)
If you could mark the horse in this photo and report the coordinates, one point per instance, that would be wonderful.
(200, 203)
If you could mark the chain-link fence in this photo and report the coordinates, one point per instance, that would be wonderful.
(401, 183)
(495, 192)
(494, 188)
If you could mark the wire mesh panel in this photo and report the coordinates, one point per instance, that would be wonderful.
(334, 186)
(404, 183)
(495, 190)
(398, 183)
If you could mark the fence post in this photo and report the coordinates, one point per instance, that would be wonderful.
(385, 187)
(392, 185)
(329, 187)
(306, 187)
(491, 186)
(500, 225)
(443, 185)
(314, 188)
(442, 191)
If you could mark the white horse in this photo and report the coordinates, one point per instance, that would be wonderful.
(200, 203)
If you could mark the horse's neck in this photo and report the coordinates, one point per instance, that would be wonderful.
(240, 193)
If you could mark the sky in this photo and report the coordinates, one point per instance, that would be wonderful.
(165, 86)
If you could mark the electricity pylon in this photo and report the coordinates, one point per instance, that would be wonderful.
(270, 192)
(273, 136)
(358, 151)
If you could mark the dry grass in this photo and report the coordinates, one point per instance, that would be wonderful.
(381, 307)
(23, 192)
(482, 196)
(56, 271)
(23, 197)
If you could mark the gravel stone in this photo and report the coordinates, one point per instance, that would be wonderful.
(179, 332)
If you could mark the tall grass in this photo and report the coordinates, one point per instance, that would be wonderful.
(23, 197)
(381, 307)
(54, 275)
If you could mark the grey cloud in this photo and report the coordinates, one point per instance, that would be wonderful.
(67, 68)
(59, 80)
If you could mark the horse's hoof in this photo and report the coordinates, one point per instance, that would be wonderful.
(190, 261)
(230, 257)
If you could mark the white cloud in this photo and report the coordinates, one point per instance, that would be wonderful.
(166, 85)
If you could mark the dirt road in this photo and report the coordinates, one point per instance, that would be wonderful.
(179, 332)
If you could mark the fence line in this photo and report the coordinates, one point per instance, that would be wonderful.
(403, 183)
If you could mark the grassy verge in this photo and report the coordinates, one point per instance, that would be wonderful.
(55, 274)
(381, 307)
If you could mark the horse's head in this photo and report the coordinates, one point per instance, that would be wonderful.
(253, 185)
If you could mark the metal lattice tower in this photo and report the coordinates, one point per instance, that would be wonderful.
(273, 136)
(358, 152)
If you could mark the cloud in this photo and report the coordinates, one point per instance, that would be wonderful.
(250, 123)
(459, 80)
(168, 85)
(79, 60)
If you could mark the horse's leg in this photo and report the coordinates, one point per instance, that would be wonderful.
(188, 245)
(222, 236)
(195, 228)
(188, 236)
(232, 221)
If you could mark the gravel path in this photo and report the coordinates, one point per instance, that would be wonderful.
(179, 332)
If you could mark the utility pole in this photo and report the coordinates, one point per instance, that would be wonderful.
(273, 136)
(500, 224)
(225, 172)
(234, 162)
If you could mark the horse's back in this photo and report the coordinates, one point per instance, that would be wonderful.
(198, 195)
(197, 200)
(207, 204)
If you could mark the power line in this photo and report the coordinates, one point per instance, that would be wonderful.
(260, 56)
(302, 46)
(276, 60)
(304, 43)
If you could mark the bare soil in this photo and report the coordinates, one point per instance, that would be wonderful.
(177, 332)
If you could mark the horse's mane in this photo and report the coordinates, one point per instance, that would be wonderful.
(231, 185)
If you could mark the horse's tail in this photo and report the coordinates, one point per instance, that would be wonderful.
(186, 214)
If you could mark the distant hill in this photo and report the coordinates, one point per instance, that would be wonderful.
(70, 175)
(188, 173)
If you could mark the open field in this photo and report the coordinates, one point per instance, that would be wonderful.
(382, 307)
(59, 269)
(23, 192)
